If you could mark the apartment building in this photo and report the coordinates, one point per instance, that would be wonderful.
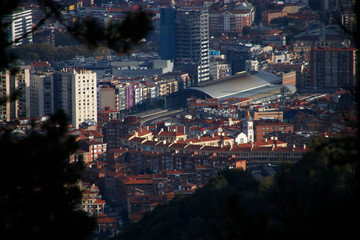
(333, 67)
(96, 150)
(75, 92)
(106, 98)
(229, 21)
(106, 115)
(41, 94)
(9, 83)
(91, 201)
(20, 25)
(271, 14)
(84, 97)
(262, 128)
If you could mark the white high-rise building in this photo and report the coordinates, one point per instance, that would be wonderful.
(84, 96)
(20, 25)
(75, 93)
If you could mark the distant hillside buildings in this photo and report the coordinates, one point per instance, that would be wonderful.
(230, 19)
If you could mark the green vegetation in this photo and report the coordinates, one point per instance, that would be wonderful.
(47, 52)
(317, 198)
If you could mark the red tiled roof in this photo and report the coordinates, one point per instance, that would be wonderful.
(102, 219)
(191, 146)
(138, 139)
(194, 140)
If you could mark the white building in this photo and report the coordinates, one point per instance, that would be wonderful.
(84, 96)
(20, 25)
(248, 127)
(241, 138)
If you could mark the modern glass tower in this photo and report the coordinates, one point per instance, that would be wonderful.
(184, 38)
(167, 33)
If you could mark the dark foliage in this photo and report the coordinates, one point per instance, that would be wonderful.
(316, 198)
(46, 52)
(313, 199)
(39, 194)
(119, 37)
(226, 208)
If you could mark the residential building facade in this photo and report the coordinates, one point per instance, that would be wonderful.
(333, 67)
(20, 29)
(20, 81)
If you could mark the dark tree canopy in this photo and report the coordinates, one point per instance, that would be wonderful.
(40, 192)
(316, 198)
(119, 37)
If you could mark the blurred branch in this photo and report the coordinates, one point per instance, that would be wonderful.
(119, 37)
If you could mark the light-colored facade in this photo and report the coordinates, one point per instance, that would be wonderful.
(20, 108)
(120, 96)
(232, 21)
(248, 127)
(84, 96)
(219, 69)
(21, 24)
(106, 98)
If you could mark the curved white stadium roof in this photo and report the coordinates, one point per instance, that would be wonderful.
(237, 84)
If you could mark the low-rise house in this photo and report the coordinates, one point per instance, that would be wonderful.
(105, 223)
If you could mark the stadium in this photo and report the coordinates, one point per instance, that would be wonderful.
(259, 86)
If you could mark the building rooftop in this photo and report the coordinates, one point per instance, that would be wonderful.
(242, 85)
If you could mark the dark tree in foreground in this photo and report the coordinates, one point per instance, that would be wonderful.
(119, 37)
(315, 198)
(39, 192)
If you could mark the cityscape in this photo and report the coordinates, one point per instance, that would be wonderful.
(215, 85)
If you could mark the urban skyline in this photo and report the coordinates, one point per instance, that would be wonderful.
(235, 84)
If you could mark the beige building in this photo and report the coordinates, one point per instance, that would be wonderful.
(84, 96)
(41, 94)
(20, 108)
(219, 69)
(262, 113)
(106, 98)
